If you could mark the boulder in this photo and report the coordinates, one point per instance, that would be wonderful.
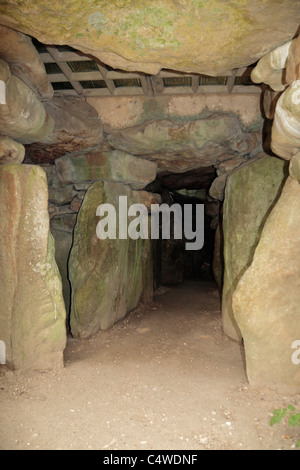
(209, 37)
(58, 193)
(111, 165)
(17, 49)
(11, 151)
(292, 67)
(32, 311)
(270, 67)
(285, 138)
(266, 299)
(183, 146)
(109, 277)
(22, 116)
(77, 127)
(251, 191)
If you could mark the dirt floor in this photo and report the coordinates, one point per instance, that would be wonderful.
(165, 378)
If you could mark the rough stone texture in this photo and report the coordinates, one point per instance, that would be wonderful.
(217, 189)
(294, 167)
(108, 277)
(269, 101)
(182, 146)
(250, 193)
(62, 230)
(77, 127)
(269, 68)
(11, 151)
(266, 300)
(5, 73)
(32, 312)
(293, 63)
(25, 62)
(23, 117)
(58, 192)
(285, 138)
(119, 112)
(112, 165)
(197, 36)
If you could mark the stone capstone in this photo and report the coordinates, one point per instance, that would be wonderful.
(108, 277)
(266, 299)
(251, 191)
(32, 311)
(209, 37)
(183, 146)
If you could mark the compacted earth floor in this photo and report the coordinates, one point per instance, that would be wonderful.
(164, 378)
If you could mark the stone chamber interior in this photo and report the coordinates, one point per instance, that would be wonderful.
(81, 126)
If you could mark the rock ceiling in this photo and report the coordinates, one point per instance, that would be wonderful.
(194, 36)
(136, 47)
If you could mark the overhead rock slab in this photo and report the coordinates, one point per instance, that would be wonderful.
(108, 277)
(250, 193)
(182, 146)
(32, 312)
(77, 127)
(198, 36)
(22, 116)
(17, 49)
(112, 165)
(267, 297)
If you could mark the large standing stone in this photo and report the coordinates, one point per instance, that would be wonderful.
(267, 298)
(251, 191)
(112, 165)
(32, 312)
(108, 277)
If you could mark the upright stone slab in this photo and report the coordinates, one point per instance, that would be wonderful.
(250, 193)
(61, 228)
(266, 302)
(108, 277)
(32, 312)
